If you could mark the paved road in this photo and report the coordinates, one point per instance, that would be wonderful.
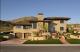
(40, 48)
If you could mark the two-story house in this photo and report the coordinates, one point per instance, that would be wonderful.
(25, 26)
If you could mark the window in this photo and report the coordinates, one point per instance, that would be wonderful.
(34, 25)
(18, 26)
(61, 28)
(61, 21)
(27, 26)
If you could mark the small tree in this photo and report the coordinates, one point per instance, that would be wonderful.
(45, 27)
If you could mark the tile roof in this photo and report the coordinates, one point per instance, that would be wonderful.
(56, 18)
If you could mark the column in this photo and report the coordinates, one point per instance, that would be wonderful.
(22, 35)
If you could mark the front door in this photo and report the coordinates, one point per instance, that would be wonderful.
(25, 35)
(51, 27)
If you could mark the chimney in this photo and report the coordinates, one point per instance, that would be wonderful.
(40, 16)
(40, 13)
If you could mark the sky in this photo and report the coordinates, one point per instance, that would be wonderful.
(13, 9)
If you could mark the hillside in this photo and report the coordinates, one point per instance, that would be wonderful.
(5, 26)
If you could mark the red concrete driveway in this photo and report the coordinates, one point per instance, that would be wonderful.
(13, 41)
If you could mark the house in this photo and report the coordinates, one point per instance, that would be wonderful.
(74, 27)
(27, 27)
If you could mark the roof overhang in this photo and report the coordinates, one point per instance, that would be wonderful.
(57, 18)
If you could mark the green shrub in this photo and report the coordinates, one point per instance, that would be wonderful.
(2, 38)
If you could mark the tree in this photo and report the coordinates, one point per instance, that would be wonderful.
(45, 27)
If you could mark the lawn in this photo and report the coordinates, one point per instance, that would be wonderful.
(74, 41)
(52, 41)
(49, 41)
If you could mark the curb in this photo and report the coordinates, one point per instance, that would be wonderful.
(39, 44)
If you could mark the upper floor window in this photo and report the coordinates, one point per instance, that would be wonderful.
(18, 26)
(61, 28)
(61, 21)
(27, 26)
(34, 25)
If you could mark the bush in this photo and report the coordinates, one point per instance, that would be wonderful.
(2, 38)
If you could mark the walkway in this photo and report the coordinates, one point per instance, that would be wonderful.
(63, 40)
(13, 41)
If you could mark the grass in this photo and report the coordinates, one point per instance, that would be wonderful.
(49, 41)
(74, 41)
(52, 41)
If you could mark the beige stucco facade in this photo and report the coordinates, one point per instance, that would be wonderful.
(58, 25)
(27, 33)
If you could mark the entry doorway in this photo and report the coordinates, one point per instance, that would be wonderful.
(51, 27)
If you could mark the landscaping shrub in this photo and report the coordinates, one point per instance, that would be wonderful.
(2, 36)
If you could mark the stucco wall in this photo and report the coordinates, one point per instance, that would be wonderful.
(57, 27)
(15, 30)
